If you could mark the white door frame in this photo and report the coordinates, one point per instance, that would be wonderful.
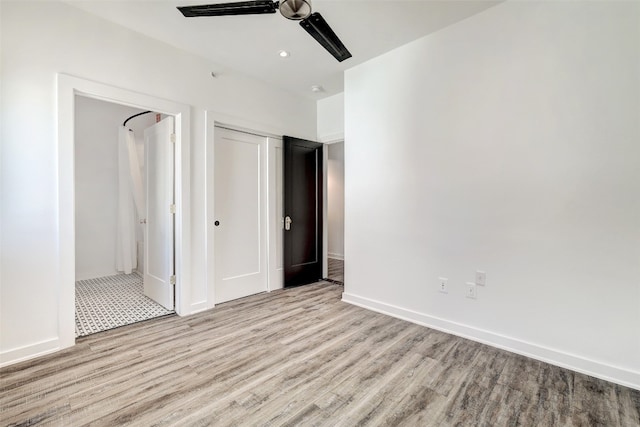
(275, 213)
(68, 88)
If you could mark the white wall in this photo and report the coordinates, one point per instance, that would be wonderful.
(510, 143)
(335, 200)
(96, 177)
(41, 39)
(331, 118)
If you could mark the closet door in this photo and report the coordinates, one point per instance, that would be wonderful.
(240, 212)
(159, 232)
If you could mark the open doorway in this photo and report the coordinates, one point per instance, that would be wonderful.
(335, 212)
(68, 88)
(117, 174)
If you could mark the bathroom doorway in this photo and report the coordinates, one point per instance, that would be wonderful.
(111, 193)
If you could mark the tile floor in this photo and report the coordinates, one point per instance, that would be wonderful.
(110, 302)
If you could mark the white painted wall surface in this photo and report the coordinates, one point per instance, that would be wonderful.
(96, 178)
(509, 143)
(41, 39)
(331, 118)
(335, 200)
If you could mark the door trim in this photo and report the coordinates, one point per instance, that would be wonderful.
(68, 88)
(275, 216)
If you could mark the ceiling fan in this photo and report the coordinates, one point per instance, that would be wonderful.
(297, 10)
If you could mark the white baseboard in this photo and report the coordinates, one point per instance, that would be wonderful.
(30, 351)
(336, 256)
(622, 376)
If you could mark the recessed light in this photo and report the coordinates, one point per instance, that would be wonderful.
(284, 54)
(317, 88)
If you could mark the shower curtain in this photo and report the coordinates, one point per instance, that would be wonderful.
(131, 201)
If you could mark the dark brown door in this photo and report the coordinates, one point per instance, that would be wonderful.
(303, 211)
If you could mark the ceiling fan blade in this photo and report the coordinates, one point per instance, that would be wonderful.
(236, 8)
(322, 32)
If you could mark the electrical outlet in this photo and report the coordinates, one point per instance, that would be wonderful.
(472, 291)
(481, 278)
(443, 285)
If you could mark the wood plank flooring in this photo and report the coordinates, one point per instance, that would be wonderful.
(335, 272)
(300, 357)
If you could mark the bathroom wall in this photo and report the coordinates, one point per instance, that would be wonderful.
(96, 181)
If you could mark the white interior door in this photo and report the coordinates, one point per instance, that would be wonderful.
(159, 232)
(240, 187)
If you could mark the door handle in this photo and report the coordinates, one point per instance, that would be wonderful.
(287, 223)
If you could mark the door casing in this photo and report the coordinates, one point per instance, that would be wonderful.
(68, 88)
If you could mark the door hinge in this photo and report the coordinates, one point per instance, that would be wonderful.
(173, 138)
(172, 209)
(172, 279)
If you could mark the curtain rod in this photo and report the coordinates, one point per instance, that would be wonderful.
(135, 115)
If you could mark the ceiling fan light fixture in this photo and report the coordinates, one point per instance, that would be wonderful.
(295, 9)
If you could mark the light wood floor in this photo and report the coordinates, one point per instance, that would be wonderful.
(300, 357)
(336, 270)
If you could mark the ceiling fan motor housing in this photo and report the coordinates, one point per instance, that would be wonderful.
(295, 9)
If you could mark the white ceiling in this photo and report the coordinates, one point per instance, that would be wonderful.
(250, 44)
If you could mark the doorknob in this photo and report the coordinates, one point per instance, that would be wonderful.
(217, 223)
(287, 223)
